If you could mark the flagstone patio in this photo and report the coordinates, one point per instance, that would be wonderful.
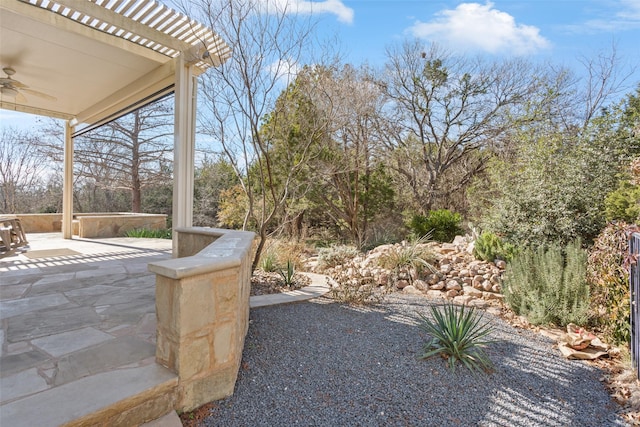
(78, 329)
(81, 317)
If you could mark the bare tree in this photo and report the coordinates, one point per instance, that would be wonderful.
(21, 171)
(351, 183)
(129, 153)
(447, 112)
(269, 44)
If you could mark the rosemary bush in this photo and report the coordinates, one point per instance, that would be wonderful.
(458, 334)
(548, 285)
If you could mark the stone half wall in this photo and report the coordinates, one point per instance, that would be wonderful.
(202, 309)
(93, 225)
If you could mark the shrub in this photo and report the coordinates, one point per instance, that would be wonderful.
(609, 282)
(146, 233)
(548, 285)
(623, 203)
(489, 247)
(441, 225)
(269, 262)
(335, 255)
(458, 334)
(408, 259)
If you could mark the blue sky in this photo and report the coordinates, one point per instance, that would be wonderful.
(560, 31)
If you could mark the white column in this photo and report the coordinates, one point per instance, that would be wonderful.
(183, 147)
(67, 183)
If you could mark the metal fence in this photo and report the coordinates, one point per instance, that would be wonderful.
(634, 282)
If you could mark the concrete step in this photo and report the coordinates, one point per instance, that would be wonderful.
(120, 397)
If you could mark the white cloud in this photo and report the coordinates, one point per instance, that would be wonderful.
(473, 26)
(284, 70)
(627, 17)
(335, 7)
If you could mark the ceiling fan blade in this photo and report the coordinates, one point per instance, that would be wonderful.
(21, 98)
(12, 82)
(39, 94)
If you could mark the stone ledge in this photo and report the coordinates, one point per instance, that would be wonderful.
(226, 251)
(120, 397)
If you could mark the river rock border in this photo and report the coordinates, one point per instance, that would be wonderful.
(456, 275)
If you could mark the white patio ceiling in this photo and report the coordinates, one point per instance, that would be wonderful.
(95, 58)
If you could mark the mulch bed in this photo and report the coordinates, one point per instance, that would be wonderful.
(263, 283)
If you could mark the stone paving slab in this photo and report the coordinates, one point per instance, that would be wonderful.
(42, 323)
(21, 384)
(68, 342)
(60, 405)
(20, 306)
(13, 363)
(103, 357)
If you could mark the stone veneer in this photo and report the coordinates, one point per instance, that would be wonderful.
(93, 225)
(202, 309)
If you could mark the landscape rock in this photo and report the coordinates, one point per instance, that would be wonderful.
(411, 290)
(438, 286)
(453, 285)
(456, 273)
(471, 291)
(401, 284)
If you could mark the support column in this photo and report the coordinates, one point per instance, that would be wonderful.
(67, 186)
(183, 146)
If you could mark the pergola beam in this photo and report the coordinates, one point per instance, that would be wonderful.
(45, 16)
(135, 27)
(152, 82)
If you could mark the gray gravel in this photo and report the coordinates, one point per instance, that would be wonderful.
(321, 363)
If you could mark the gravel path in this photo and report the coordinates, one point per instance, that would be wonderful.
(325, 364)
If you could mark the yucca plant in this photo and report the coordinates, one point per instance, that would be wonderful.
(458, 334)
(269, 262)
(288, 275)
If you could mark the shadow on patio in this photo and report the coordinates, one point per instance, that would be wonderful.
(78, 319)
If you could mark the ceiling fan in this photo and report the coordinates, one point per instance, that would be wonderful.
(13, 88)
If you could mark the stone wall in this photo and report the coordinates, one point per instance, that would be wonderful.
(92, 225)
(114, 225)
(41, 223)
(202, 306)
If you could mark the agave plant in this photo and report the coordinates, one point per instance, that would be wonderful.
(288, 275)
(458, 334)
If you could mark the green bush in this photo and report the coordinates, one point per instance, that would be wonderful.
(489, 247)
(269, 262)
(335, 255)
(146, 233)
(548, 285)
(408, 258)
(609, 282)
(623, 204)
(458, 334)
(441, 225)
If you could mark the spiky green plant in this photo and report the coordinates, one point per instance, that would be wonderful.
(458, 333)
(413, 255)
(288, 275)
(269, 262)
